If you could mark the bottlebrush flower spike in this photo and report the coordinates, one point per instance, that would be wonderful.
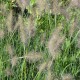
(33, 56)
(55, 42)
(1, 33)
(67, 77)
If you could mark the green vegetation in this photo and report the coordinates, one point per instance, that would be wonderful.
(44, 45)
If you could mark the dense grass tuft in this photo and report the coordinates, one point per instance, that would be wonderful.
(41, 41)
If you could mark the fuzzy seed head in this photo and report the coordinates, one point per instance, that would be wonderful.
(8, 72)
(49, 64)
(74, 2)
(49, 75)
(3, 9)
(55, 7)
(41, 5)
(72, 28)
(22, 30)
(42, 67)
(33, 56)
(9, 49)
(65, 13)
(55, 42)
(1, 33)
(14, 61)
(31, 26)
(9, 21)
(67, 77)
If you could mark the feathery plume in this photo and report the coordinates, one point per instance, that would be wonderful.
(55, 42)
(42, 67)
(9, 49)
(31, 26)
(78, 42)
(14, 61)
(8, 72)
(41, 5)
(9, 21)
(55, 7)
(1, 33)
(72, 27)
(67, 77)
(65, 13)
(22, 30)
(49, 64)
(3, 9)
(74, 3)
(33, 56)
(49, 75)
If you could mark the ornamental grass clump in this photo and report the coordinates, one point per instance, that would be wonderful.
(37, 47)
